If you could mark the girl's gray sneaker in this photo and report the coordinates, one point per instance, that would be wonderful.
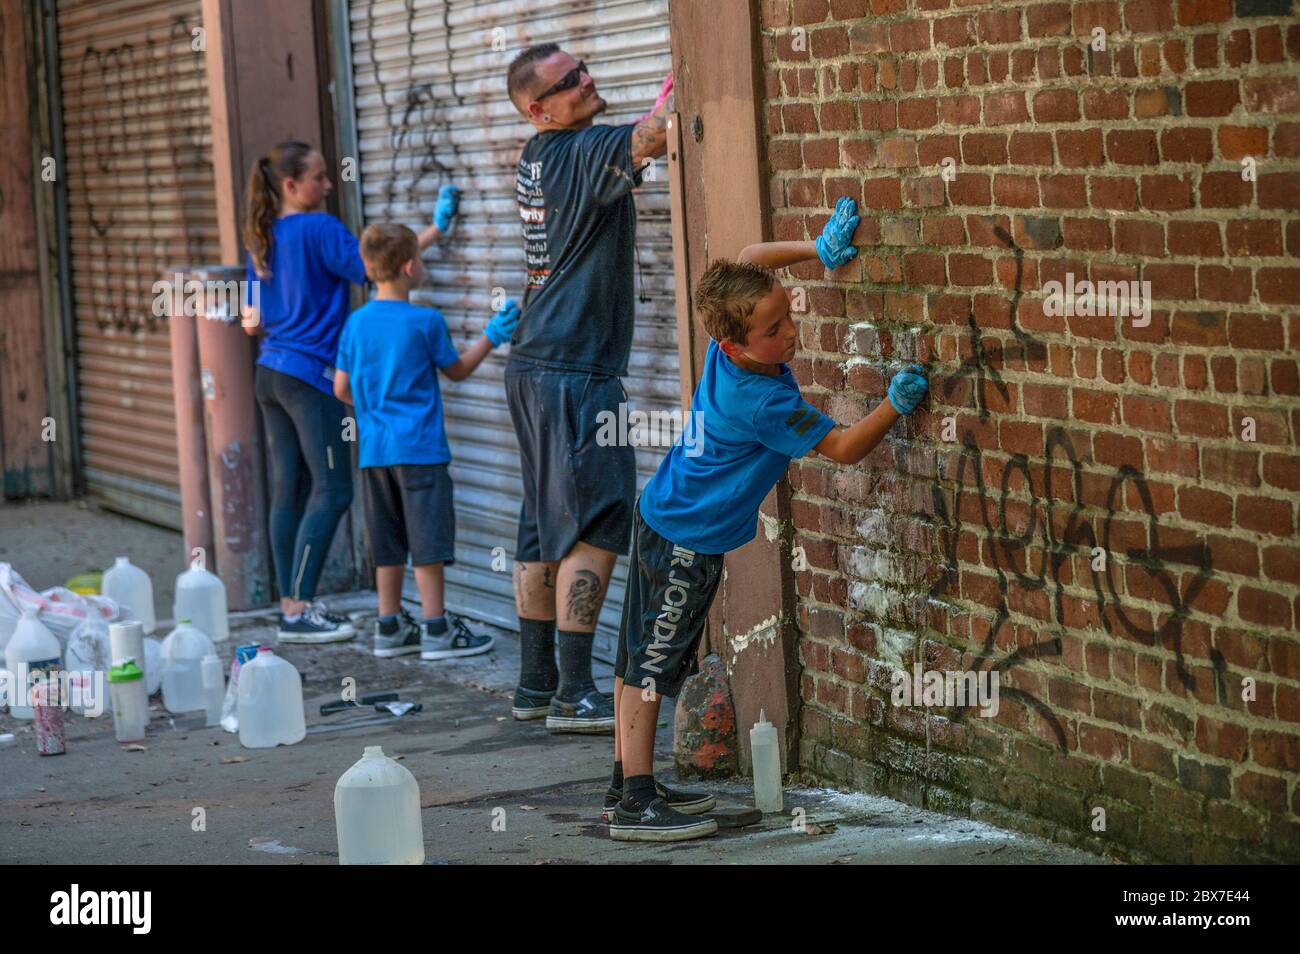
(456, 641)
(402, 640)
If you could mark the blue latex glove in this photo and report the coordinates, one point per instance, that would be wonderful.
(503, 323)
(908, 388)
(835, 244)
(448, 204)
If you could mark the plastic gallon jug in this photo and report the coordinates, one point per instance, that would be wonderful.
(767, 765)
(183, 652)
(377, 813)
(130, 704)
(87, 659)
(270, 702)
(32, 649)
(130, 587)
(201, 598)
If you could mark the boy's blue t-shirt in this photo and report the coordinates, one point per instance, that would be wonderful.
(391, 351)
(745, 427)
(314, 259)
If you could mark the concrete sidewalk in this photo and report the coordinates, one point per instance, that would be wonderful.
(99, 804)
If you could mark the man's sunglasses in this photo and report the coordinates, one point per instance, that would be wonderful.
(567, 81)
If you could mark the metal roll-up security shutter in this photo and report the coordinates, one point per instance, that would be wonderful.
(141, 199)
(431, 108)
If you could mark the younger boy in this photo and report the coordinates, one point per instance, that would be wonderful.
(700, 505)
(388, 354)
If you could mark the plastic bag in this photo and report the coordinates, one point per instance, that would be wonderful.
(60, 609)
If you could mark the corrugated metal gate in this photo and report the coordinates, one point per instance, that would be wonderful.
(431, 108)
(141, 199)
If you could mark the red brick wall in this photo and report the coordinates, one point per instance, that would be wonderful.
(1121, 688)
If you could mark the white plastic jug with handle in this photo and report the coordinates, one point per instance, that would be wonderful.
(270, 702)
(377, 813)
(31, 649)
(130, 587)
(201, 598)
(183, 652)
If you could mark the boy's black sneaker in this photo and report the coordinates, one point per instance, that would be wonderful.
(682, 799)
(531, 704)
(593, 714)
(315, 626)
(658, 822)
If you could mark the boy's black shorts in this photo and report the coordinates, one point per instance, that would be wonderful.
(669, 590)
(575, 487)
(408, 508)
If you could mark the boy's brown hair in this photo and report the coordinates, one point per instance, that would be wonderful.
(386, 248)
(726, 294)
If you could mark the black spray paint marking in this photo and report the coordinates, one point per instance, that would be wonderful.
(1077, 536)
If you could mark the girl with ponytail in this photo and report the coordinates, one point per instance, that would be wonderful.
(304, 261)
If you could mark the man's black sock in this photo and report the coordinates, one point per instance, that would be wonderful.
(638, 792)
(537, 669)
(575, 665)
(616, 781)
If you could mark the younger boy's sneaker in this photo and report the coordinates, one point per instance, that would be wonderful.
(658, 822)
(456, 641)
(684, 800)
(531, 704)
(402, 639)
(315, 625)
(593, 714)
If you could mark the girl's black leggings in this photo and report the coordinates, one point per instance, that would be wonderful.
(310, 468)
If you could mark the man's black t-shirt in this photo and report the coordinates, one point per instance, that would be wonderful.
(579, 225)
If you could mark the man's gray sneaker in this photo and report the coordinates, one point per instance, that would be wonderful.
(402, 640)
(456, 641)
(593, 714)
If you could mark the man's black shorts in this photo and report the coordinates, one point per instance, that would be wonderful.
(575, 488)
(408, 508)
(669, 590)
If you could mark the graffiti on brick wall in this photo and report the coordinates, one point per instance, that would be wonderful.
(1060, 541)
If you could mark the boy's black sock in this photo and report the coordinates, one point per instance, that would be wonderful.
(616, 780)
(537, 641)
(388, 625)
(575, 665)
(638, 792)
(435, 625)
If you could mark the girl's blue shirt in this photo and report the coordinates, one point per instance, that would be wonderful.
(305, 302)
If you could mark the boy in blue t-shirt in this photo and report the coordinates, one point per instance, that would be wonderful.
(387, 364)
(703, 501)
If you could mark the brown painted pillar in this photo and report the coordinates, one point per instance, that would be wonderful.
(234, 445)
(191, 434)
(717, 80)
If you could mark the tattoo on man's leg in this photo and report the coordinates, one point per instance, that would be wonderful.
(584, 597)
(546, 577)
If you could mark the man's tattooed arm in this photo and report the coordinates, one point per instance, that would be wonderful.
(650, 137)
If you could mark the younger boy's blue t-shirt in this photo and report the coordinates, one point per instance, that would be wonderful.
(391, 351)
(743, 431)
(314, 259)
